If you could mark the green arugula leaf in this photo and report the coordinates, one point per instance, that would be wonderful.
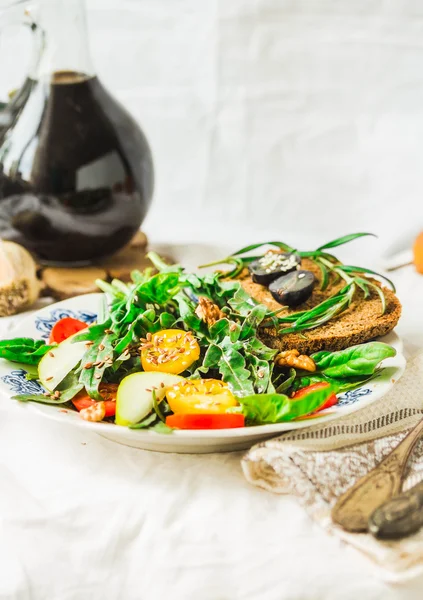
(92, 332)
(162, 266)
(233, 370)
(90, 378)
(212, 356)
(286, 385)
(219, 330)
(160, 288)
(167, 321)
(242, 302)
(252, 321)
(234, 331)
(256, 347)
(261, 373)
(187, 313)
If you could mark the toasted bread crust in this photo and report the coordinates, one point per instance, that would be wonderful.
(361, 322)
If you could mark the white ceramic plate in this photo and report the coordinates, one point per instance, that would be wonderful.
(38, 325)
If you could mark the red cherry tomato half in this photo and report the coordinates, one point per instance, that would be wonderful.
(312, 388)
(107, 390)
(203, 421)
(65, 328)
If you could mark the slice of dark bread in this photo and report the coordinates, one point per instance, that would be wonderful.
(361, 322)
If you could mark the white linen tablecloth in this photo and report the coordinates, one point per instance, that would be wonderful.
(82, 517)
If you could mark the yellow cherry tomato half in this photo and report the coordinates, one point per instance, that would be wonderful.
(169, 351)
(200, 396)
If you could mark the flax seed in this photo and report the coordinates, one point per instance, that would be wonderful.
(162, 385)
(88, 365)
(101, 347)
(51, 354)
(89, 343)
(97, 376)
(149, 336)
(49, 378)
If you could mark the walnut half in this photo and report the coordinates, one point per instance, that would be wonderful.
(96, 412)
(208, 311)
(292, 358)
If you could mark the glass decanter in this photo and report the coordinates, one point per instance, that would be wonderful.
(76, 173)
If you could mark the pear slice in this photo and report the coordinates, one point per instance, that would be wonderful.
(134, 400)
(55, 365)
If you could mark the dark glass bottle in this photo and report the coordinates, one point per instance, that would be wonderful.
(76, 173)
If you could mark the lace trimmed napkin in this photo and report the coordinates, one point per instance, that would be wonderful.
(318, 464)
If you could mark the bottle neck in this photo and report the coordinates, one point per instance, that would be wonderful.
(65, 49)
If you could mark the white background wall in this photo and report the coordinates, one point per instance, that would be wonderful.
(289, 114)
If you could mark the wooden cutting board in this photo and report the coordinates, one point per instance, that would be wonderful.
(64, 282)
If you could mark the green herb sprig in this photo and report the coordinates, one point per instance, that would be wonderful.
(329, 265)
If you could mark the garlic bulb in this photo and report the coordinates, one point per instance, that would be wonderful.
(19, 286)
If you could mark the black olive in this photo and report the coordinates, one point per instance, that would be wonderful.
(294, 288)
(272, 265)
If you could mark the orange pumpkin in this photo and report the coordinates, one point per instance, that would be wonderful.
(418, 253)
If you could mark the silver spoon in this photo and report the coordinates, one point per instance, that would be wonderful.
(354, 508)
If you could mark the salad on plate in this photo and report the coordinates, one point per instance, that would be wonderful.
(274, 338)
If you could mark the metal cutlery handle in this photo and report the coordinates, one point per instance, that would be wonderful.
(354, 507)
